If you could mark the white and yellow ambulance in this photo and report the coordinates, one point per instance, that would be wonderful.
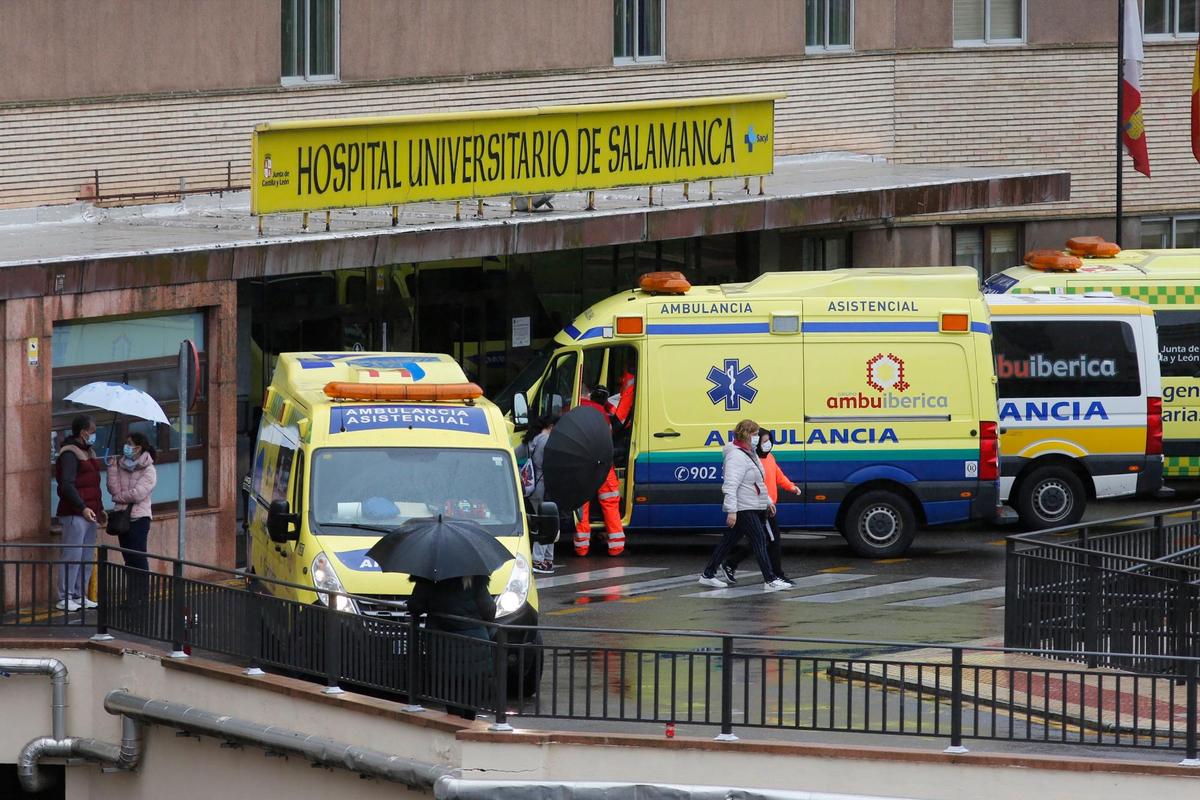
(1080, 402)
(352, 445)
(876, 383)
(1169, 281)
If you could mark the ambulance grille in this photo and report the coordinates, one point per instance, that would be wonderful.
(377, 605)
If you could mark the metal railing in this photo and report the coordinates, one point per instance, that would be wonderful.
(712, 679)
(1127, 598)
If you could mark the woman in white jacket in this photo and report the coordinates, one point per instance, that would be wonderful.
(746, 506)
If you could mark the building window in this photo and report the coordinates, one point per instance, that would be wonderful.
(309, 40)
(987, 248)
(828, 25)
(638, 31)
(979, 22)
(142, 352)
(1170, 19)
(1170, 232)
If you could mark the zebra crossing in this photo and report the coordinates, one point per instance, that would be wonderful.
(924, 592)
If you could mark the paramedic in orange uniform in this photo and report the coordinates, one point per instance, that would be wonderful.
(609, 494)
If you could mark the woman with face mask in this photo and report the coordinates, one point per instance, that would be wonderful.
(131, 481)
(80, 507)
(746, 507)
(775, 480)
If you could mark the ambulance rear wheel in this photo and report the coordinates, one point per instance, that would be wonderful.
(1050, 496)
(879, 524)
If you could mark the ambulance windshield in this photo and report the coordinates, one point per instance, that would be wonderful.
(382, 487)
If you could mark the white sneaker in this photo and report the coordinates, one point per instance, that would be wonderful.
(776, 585)
(89, 603)
(715, 583)
(67, 605)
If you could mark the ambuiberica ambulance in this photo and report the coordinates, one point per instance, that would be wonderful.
(1080, 402)
(1169, 280)
(876, 383)
(350, 446)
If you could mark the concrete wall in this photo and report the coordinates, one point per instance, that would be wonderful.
(384, 39)
(79, 48)
(187, 768)
(924, 24)
(699, 30)
(1073, 22)
(25, 477)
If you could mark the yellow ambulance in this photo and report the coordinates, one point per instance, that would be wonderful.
(876, 383)
(1169, 281)
(1080, 402)
(351, 445)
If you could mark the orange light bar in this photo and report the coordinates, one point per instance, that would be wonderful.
(630, 326)
(1093, 246)
(956, 323)
(421, 392)
(1052, 261)
(664, 283)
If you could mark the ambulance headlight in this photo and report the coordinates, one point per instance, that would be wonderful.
(324, 577)
(517, 590)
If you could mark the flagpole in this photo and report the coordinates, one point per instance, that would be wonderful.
(1120, 106)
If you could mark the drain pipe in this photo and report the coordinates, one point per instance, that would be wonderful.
(448, 788)
(317, 749)
(58, 745)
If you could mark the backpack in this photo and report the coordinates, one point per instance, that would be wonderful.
(528, 477)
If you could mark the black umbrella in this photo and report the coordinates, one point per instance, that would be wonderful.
(438, 548)
(578, 456)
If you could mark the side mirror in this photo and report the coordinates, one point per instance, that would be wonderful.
(247, 487)
(520, 409)
(280, 521)
(547, 524)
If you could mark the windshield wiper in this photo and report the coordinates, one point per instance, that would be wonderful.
(356, 526)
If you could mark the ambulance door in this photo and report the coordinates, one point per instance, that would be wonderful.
(275, 467)
(699, 391)
(615, 367)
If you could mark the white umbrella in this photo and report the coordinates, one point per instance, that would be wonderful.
(119, 397)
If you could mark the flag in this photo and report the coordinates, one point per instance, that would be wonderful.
(1196, 105)
(1133, 133)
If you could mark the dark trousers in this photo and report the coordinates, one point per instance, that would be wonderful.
(135, 539)
(749, 524)
(774, 551)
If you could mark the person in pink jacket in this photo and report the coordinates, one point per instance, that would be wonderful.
(131, 480)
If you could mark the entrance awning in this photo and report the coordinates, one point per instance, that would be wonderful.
(87, 248)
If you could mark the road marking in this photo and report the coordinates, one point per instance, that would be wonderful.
(593, 575)
(892, 560)
(836, 569)
(807, 582)
(562, 611)
(999, 542)
(641, 587)
(953, 599)
(867, 592)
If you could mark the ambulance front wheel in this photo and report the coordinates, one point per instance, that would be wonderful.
(1050, 496)
(879, 524)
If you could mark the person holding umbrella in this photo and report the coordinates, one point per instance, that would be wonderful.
(609, 495)
(131, 481)
(450, 562)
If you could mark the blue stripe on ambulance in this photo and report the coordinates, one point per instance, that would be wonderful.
(750, 328)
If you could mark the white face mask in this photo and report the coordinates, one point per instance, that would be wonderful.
(765, 447)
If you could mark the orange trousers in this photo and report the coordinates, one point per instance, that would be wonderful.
(610, 507)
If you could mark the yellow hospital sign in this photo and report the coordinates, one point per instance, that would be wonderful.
(383, 161)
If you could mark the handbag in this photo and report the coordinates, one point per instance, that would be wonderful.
(118, 521)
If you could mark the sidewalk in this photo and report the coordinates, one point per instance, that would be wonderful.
(1041, 689)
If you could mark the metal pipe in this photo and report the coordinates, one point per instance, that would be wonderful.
(448, 788)
(57, 671)
(125, 756)
(317, 749)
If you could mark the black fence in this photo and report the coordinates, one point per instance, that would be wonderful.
(1126, 598)
(704, 679)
